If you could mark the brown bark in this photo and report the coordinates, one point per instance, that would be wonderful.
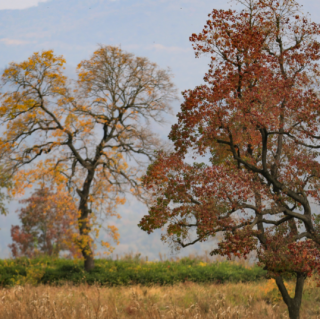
(294, 303)
(83, 222)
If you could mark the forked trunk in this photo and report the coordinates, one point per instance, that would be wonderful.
(294, 303)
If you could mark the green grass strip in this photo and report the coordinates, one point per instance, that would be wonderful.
(123, 272)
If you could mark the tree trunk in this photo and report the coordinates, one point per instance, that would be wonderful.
(293, 304)
(89, 262)
(83, 223)
(85, 243)
(294, 311)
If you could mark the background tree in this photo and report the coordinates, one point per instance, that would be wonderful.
(257, 120)
(84, 129)
(49, 221)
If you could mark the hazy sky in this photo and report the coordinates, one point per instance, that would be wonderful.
(18, 4)
(157, 29)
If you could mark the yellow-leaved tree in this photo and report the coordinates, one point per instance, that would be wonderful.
(91, 135)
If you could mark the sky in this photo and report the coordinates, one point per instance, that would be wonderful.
(157, 29)
(18, 4)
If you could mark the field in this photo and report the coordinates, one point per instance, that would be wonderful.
(133, 287)
(187, 300)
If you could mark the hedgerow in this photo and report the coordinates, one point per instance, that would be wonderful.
(109, 272)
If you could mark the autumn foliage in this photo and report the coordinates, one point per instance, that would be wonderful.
(49, 221)
(256, 120)
(90, 136)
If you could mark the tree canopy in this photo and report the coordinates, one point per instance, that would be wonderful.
(256, 119)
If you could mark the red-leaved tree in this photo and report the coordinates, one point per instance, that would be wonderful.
(256, 119)
(49, 221)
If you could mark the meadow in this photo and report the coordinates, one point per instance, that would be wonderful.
(183, 300)
(132, 287)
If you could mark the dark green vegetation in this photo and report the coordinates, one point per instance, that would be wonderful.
(123, 272)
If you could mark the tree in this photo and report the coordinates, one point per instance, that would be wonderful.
(85, 133)
(257, 120)
(48, 224)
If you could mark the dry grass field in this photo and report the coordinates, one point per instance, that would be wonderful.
(188, 300)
